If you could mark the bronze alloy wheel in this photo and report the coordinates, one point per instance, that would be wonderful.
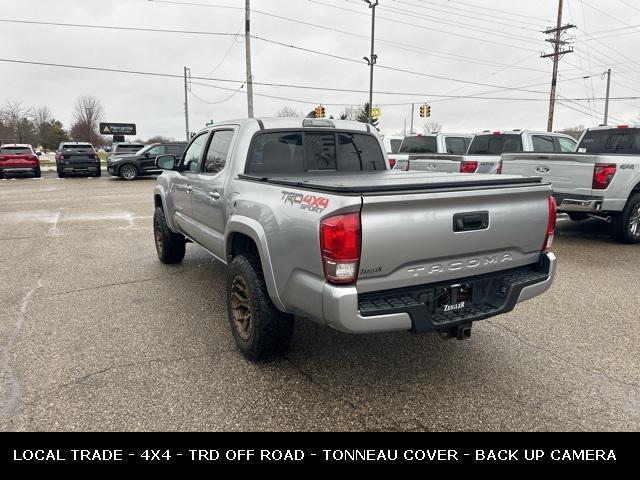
(241, 307)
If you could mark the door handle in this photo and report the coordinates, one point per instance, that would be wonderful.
(543, 157)
(214, 195)
(188, 189)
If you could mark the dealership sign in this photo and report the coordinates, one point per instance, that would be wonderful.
(118, 128)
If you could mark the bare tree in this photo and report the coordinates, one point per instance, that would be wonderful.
(160, 139)
(18, 119)
(289, 112)
(432, 127)
(87, 113)
(42, 121)
(350, 113)
(575, 132)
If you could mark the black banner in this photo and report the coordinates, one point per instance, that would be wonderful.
(118, 128)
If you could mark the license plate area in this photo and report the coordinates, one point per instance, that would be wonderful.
(454, 297)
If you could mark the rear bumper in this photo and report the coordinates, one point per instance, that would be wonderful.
(84, 167)
(414, 309)
(18, 170)
(578, 203)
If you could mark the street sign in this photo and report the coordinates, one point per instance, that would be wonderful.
(375, 112)
(118, 128)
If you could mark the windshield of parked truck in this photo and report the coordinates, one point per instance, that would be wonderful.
(495, 144)
(419, 144)
(618, 140)
(15, 150)
(314, 151)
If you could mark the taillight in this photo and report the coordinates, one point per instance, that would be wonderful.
(340, 247)
(392, 162)
(551, 226)
(499, 171)
(468, 167)
(602, 175)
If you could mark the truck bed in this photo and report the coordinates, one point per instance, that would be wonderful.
(390, 181)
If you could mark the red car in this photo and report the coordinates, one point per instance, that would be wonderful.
(19, 159)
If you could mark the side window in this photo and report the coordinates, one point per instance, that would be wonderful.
(193, 155)
(566, 145)
(174, 149)
(543, 144)
(320, 151)
(467, 142)
(359, 152)
(620, 142)
(155, 151)
(455, 145)
(218, 151)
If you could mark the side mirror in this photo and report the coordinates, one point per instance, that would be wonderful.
(166, 162)
(147, 154)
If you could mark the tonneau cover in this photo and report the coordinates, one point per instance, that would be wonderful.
(391, 181)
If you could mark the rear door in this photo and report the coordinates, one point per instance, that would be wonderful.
(208, 195)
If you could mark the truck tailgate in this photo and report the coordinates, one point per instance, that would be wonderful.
(445, 234)
(568, 173)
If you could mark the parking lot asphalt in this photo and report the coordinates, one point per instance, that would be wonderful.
(97, 334)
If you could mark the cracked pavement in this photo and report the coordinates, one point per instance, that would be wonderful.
(97, 334)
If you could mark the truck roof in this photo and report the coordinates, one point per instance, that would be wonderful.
(519, 132)
(613, 127)
(272, 123)
(24, 145)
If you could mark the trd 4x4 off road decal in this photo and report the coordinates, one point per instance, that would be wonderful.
(306, 202)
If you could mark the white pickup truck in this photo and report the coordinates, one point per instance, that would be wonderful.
(483, 154)
(418, 145)
(601, 180)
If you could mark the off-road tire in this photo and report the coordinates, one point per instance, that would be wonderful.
(624, 221)
(170, 246)
(271, 330)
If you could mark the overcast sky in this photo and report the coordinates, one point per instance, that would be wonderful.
(498, 45)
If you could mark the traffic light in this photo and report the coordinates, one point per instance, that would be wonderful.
(320, 111)
(425, 110)
(375, 112)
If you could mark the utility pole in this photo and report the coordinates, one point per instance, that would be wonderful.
(606, 104)
(557, 53)
(371, 61)
(186, 103)
(247, 49)
(411, 130)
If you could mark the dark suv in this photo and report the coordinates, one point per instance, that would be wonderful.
(143, 162)
(77, 158)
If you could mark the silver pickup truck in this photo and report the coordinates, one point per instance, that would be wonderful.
(601, 180)
(312, 223)
(484, 152)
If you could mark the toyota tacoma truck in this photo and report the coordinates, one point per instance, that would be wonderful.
(19, 159)
(484, 152)
(601, 180)
(311, 223)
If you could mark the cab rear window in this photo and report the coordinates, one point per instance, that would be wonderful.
(15, 150)
(495, 144)
(291, 152)
(620, 140)
(419, 144)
